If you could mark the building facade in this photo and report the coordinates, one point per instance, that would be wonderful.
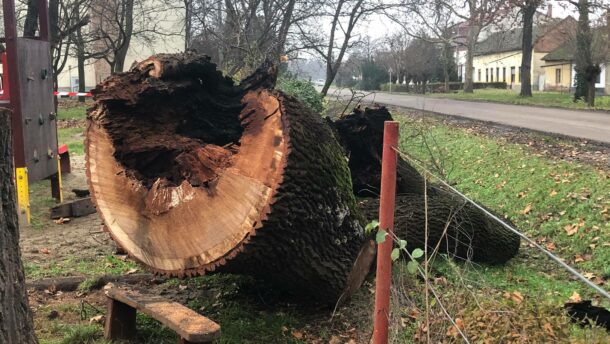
(498, 58)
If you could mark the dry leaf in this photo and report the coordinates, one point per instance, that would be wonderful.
(549, 329)
(571, 229)
(516, 296)
(589, 275)
(334, 340)
(131, 271)
(98, 319)
(575, 297)
(44, 250)
(62, 220)
(527, 209)
(551, 246)
(553, 193)
(578, 258)
(296, 334)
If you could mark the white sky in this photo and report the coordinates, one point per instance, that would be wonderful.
(380, 26)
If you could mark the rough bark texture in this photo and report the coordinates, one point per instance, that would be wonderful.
(15, 319)
(527, 48)
(463, 230)
(176, 131)
(455, 227)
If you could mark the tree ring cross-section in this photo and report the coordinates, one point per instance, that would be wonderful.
(191, 174)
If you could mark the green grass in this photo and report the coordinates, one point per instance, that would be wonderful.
(73, 266)
(509, 178)
(74, 138)
(554, 99)
(76, 112)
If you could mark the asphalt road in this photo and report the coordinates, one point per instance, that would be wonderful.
(588, 125)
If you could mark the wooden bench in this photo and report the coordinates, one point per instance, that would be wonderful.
(123, 302)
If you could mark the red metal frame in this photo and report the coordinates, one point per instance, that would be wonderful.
(386, 222)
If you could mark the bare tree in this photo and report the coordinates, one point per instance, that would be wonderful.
(528, 9)
(240, 34)
(344, 15)
(477, 14)
(589, 55)
(432, 22)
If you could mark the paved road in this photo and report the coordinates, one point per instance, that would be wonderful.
(582, 124)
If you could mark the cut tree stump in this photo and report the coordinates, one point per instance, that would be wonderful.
(123, 303)
(193, 174)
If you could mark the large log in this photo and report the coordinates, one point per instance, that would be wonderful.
(191, 174)
(455, 226)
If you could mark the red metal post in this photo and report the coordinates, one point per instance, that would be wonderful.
(386, 222)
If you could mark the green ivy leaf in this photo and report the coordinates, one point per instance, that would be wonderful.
(380, 237)
(395, 254)
(402, 244)
(412, 267)
(417, 253)
(371, 226)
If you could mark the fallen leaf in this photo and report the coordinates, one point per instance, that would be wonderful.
(575, 297)
(589, 275)
(334, 340)
(131, 271)
(549, 329)
(553, 193)
(516, 296)
(98, 319)
(527, 209)
(570, 229)
(62, 220)
(578, 258)
(551, 246)
(296, 334)
(44, 250)
(182, 287)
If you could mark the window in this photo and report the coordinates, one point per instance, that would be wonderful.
(557, 76)
(491, 75)
(512, 75)
(520, 76)
(479, 74)
(504, 74)
(498, 74)
(598, 80)
(486, 74)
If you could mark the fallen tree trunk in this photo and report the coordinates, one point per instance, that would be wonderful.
(454, 225)
(192, 174)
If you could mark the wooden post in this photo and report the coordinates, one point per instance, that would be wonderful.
(120, 321)
(386, 222)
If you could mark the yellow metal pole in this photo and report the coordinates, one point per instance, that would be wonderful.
(23, 196)
(61, 193)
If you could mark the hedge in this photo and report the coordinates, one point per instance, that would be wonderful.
(439, 87)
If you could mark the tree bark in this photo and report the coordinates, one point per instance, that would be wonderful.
(463, 230)
(473, 35)
(192, 174)
(15, 318)
(526, 48)
(126, 33)
(455, 227)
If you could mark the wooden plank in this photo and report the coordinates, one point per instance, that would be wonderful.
(120, 321)
(188, 324)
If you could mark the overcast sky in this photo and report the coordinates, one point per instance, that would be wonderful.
(380, 26)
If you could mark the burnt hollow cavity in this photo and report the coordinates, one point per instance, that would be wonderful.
(179, 129)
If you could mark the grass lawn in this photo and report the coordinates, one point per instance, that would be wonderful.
(564, 206)
(556, 99)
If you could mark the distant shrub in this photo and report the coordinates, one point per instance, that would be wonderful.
(439, 87)
(303, 90)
